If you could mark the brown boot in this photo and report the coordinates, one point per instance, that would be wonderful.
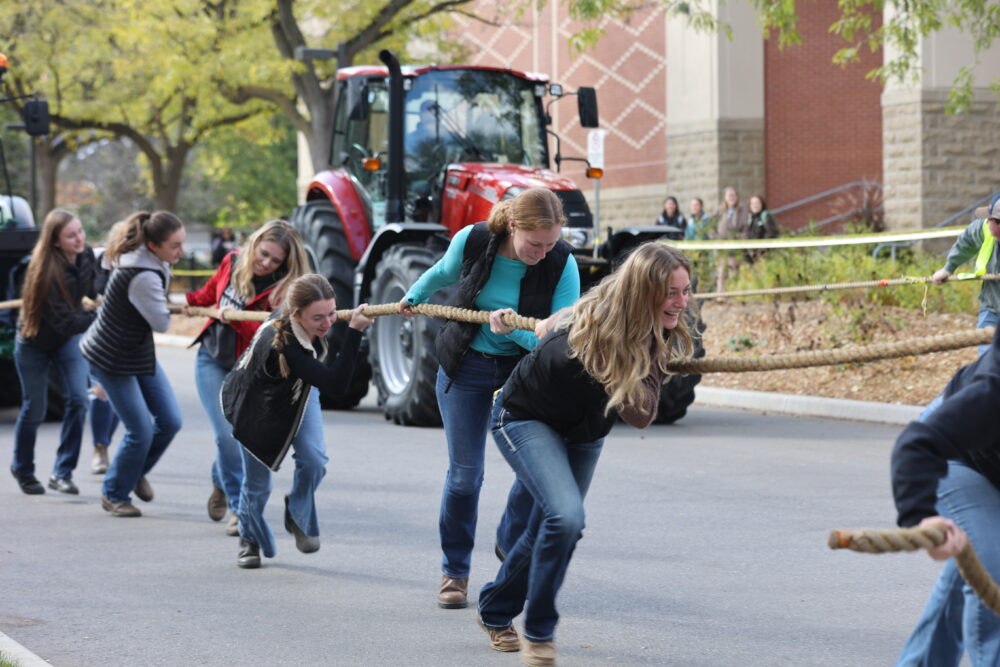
(505, 640)
(454, 593)
(99, 462)
(537, 654)
(216, 504)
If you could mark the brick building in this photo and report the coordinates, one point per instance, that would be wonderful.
(688, 113)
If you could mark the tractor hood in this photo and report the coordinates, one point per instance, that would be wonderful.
(472, 188)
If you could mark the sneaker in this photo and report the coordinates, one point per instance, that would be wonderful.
(249, 557)
(505, 640)
(144, 489)
(63, 485)
(233, 526)
(303, 542)
(123, 509)
(29, 483)
(217, 504)
(454, 593)
(537, 654)
(99, 462)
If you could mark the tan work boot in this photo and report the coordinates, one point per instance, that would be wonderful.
(233, 526)
(505, 640)
(99, 462)
(537, 654)
(454, 593)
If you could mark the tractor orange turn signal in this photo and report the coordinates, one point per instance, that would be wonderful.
(594, 172)
(371, 163)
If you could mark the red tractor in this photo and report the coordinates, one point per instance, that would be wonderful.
(419, 153)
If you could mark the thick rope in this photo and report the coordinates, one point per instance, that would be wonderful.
(911, 539)
(428, 309)
(864, 284)
(862, 353)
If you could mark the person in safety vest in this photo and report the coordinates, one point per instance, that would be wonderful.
(979, 240)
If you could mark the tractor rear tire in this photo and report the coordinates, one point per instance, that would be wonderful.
(404, 362)
(677, 393)
(322, 231)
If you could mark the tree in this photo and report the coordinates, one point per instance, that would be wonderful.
(145, 71)
(354, 30)
(905, 23)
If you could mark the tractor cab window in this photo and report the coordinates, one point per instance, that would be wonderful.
(467, 116)
(362, 130)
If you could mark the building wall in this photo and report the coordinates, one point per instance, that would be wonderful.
(628, 69)
(823, 126)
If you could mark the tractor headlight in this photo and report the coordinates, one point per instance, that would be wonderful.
(578, 237)
(512, 192)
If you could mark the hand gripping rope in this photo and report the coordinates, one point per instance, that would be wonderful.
(911, 539)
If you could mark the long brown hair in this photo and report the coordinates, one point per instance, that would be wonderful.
(616, 331)
(536, 208)
(142, 227)
(302, 292)
(294, 266)
(47, 266)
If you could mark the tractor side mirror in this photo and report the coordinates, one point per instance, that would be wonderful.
(586, 100)
(36, 118)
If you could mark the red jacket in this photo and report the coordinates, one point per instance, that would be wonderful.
(210, 294)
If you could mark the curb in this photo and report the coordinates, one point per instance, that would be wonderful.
(20, 655)
(807, 406)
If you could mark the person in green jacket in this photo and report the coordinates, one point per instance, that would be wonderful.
(979, 240)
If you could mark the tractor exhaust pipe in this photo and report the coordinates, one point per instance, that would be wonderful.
(396, 189)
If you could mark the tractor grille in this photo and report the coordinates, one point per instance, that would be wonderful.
(575, 207)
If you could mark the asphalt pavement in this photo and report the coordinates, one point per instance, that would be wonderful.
(705, 545)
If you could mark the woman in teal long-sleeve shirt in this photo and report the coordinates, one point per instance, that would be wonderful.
(514, 262)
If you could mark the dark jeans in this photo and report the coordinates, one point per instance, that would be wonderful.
(32, 365)
(465, 402)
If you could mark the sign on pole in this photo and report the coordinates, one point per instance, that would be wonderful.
(595, 147)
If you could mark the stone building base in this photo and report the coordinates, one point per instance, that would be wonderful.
(935, 164)
(704, 159)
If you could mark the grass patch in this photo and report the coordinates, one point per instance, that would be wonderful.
(7, 661)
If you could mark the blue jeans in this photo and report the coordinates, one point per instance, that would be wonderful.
(146, 405)
(557, 474)
(309, 453)
(227, 470)
(954, 617)
(465, 402)
(32, 365)
(103, 421)
(987, 318)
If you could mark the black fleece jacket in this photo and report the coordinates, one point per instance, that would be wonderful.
(965, 427)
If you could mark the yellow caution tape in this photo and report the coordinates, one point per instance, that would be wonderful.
(192, 272)
(819, 241)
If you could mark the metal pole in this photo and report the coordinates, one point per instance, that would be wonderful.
(597, 213)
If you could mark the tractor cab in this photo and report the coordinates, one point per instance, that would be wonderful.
(471, 136)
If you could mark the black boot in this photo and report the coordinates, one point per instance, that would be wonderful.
(249, 557)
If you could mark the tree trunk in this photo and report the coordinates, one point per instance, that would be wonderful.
(50, 151)
(169, 184)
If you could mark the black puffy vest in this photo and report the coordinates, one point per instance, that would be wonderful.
(120, 341)
(535, 299)
(550, 387)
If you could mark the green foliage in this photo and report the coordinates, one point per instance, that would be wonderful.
(844, 264)
(742, 343)
(249, 169)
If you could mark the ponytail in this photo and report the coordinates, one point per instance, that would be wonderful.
(141, 228)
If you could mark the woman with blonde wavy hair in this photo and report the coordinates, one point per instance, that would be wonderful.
(254, 278)
(515, 260)
(606, 357)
